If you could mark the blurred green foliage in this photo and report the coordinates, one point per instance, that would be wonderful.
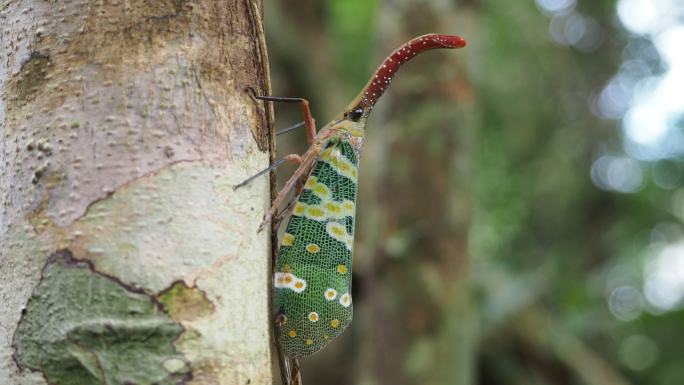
(484, 252)
(349, 22)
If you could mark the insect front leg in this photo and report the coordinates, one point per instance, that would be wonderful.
(307, 161)
(306, 111)
(295, 158)
(298, 186)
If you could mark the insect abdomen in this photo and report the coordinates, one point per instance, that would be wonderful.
(313, 270)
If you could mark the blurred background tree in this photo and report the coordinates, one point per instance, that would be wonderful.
(521, 201)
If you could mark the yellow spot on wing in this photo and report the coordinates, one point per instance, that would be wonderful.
(313, 316)
(334, 209)
(315, 213)
(339, 233)
(335, 323)
(349, 169)
(299, 209)
(288, 239)
(309, 341)
(345, 300)
(292, 333)
(312, 248)
(311, 182)
(299, 285)
(342, 165)
(342, 269)
(287, 280)
(348, 207)
(330, 294)
(336, 230)
(321, 190)
(282, 279)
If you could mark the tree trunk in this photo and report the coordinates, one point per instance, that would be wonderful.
(126, 257)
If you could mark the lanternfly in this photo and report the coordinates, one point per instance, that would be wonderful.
(313, 302)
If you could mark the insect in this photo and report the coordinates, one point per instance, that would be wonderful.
(312, 279)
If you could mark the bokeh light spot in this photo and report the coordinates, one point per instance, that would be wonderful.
(664, 283)
(638, 16)
(638, 352)
(619, 174)
(556, 6)
(626, 303)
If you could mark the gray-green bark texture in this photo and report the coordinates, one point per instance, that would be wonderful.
(126, 257)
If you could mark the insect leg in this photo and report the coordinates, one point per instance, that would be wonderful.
(295, 373)
(308, 118)
(288, 129)
(278, 217)
(278, 321)
(292, 158)
(307, 161)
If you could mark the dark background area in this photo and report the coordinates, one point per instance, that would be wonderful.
(521, 203)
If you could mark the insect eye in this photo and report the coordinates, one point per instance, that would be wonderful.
(355, 114)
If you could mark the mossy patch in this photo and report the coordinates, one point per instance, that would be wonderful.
(185, 303)
(81, 327)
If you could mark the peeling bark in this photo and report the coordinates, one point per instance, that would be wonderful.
(124, 127)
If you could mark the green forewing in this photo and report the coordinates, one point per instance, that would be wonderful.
(313, 270)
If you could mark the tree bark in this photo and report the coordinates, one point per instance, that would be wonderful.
(126, 257)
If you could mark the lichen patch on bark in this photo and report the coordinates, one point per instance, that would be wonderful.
(81, 327)
(185, 303)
